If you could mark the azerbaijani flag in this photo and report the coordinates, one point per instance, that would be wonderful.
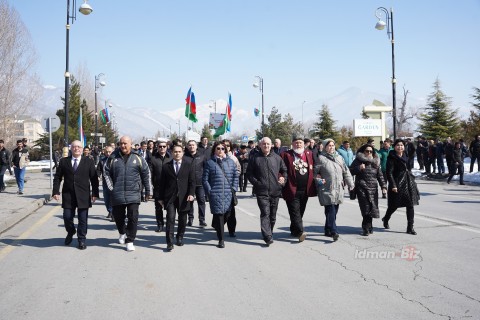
(191, 107)
(229, 111)
(105, 116)
(223, 128)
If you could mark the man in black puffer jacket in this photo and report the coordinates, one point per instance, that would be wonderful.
(125, 172)
(267, 173)
(475, 153)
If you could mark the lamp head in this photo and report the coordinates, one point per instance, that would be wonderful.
(256, 85)
(85, 8)
(380, 25)
(103, 83)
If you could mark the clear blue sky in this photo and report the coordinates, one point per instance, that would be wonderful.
(152, 51)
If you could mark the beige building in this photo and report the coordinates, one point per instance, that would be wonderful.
(27, 127)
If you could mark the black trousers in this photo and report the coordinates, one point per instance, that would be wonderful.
(219, 220)
(367, 223)
(410, 215)
(69, 214)
(132, 215)
(268, 215)
(243, 181)
(172, 209)
(200, 197)
(159, 213)
(456, 168)
(296, 209)
(474, 158)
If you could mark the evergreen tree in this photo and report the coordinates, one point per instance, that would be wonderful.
(206, 132)
(471, 127)
(439, 120)
(325, 127)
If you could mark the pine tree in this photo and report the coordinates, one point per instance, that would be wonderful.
(439, 120)
(471, 126)
(206, 132)
(325, 127)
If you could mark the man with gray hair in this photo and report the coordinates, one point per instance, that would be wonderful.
(125, 172)
(267, 173)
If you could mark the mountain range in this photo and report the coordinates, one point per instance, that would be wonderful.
(139, 122)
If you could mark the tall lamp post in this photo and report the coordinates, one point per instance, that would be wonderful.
(380, 26)
(259, 85)
(98, 84)
(85, 9)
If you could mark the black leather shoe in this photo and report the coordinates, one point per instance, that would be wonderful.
(365, 233)
(269, 242)
(170, 247)
(328, 234)
(203, 224)
(221, 244)
(189, 223)
(82, 246)
(385, 223)
(69, 238)
(370, 230)
(411, 231)
(159, 228)
(232, 234)
(179, 242)
(335, 236)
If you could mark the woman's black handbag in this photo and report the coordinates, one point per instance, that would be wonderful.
(353, 194)
(234, 198)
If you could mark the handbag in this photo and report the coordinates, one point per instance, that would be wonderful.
(353, 194)
(234, 193)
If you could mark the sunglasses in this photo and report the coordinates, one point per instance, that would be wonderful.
(162, 146)
(368, 151)
(220, 148)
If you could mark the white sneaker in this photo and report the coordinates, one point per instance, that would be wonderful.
(130, 246)
(121, 239)
(302, 237)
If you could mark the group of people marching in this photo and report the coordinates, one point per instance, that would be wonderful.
(181, 174)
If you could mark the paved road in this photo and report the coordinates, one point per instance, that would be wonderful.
(433, 275)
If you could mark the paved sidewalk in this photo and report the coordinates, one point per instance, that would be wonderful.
(14, 207)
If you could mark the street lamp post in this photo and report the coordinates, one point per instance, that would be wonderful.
(214, 105)
(98, 83)
(260, 86)
(380, 26)
(85, 9)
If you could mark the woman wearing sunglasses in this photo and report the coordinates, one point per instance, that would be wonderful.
(220, 181)
(368, 175)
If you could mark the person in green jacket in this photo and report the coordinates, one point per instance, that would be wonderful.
(383, 155)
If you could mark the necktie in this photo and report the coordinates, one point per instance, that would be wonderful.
(177, 167)
(75, 164)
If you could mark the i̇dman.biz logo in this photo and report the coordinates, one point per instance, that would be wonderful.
(409, 253)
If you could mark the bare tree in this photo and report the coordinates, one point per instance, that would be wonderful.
(87, 86)
(19, 86)
(405, 115)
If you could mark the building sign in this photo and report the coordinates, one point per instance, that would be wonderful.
(215, 120)
(367, 127)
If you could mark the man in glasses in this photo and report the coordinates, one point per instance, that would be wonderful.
(78, 173)
(158, 160)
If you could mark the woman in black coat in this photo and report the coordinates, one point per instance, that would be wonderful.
(402, 188)
(368, 175)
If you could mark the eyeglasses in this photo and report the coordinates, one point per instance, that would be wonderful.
(220, 148)
(162, 146)
(368, 151)
(79, 147)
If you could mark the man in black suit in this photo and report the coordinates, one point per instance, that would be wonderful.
(177, 187)
(78, 173)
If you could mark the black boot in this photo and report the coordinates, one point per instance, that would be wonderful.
(365, 232)
(410, 230)
(385, 223)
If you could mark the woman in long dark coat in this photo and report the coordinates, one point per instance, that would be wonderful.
(402, 188)
(368, 175)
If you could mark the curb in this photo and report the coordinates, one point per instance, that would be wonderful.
(23, 213)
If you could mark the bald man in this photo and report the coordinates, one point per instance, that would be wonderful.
(125, 172)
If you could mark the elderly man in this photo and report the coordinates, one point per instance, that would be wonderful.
(277, 147)
(125, 172)
(300, 184)
(78, 173)
(267, 173)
